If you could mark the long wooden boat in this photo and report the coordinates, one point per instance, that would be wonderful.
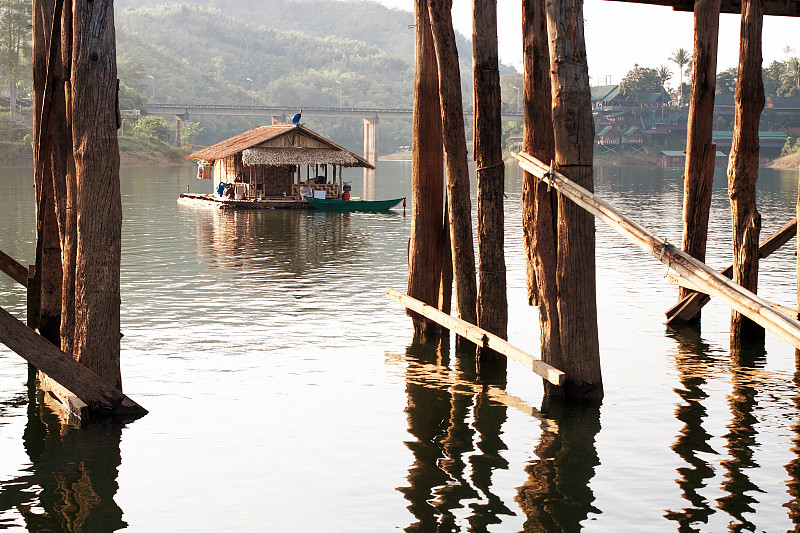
(349, 206)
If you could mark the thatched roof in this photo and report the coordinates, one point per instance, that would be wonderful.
(299, 156)
(249, 144)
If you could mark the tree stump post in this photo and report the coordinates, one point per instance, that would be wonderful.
(574, 142)
(492, 300)
(700, 151)
(455, 149)
(743, 168)
(427, 178)
(539, 204)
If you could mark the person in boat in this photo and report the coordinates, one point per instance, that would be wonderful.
(346, 195)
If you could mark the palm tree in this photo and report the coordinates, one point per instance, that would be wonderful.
(793, 71)
(681, 57)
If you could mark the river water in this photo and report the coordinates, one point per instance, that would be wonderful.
(286, 394)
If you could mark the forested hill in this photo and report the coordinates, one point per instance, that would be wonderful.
(301, 53)
(357, 20)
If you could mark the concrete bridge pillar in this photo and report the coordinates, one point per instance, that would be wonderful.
(370, 136)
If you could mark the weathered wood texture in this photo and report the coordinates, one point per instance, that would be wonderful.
(743, 167)
(700, 151)
(492, 301)
(14, 270)
(696, 272)
(479, 337)
(574, 143)
(427, 177)
(101, 396)
(785, 8)
(455, 149)
(46, 77)
(687, 309)
(539, 202)
(95, 118)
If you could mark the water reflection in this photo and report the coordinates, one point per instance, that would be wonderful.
(557, 495)
(793, 467)
(457, 426)
(72, 479)
(741, 437)
(692, 362)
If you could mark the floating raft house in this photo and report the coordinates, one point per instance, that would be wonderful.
(273, 166)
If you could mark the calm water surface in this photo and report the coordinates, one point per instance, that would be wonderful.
(286, 394)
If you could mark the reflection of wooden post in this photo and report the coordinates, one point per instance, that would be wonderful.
(539, 203)
(743, 169)
(455, 147)
(492, 302)
(700, 151)
(574, 140)
(427, 177)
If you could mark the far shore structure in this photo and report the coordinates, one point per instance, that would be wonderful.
(274, 166)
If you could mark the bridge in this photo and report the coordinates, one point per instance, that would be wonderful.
(279, 115)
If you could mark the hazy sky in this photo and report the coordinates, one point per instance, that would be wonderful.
(619, 34)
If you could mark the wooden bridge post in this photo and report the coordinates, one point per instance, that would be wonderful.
(743, 168)
(455, 149)
(427, 179)
(574, 141)
(95, 117)
(492, 300)
(539, 202)
(700, 151)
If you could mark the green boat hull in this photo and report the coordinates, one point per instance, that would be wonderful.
(349, 206)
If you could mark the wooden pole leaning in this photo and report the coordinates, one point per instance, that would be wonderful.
(96, 393)
(687, 308)
(479, 336)
(696, 272)
(11, 267)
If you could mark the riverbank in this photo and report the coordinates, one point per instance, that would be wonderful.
(132, 153)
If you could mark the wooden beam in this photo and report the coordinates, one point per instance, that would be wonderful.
(479, 336)
(683, 282)
(688, 307)
(780, 8)
(16, 271)
(98, 394)
(696, 272)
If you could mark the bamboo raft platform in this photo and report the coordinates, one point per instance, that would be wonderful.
(228, 203)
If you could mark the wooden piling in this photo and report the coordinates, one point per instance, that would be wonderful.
(574, 142)
(700, 151)
(95, 116)
(427, 177)
(539, 202)
(455, 149)
(743, 168)
(492, 300)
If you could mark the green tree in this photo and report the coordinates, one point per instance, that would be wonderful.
(190, 131)
(15, 45)
(640, 82)
(664, 75)
(681, 57)
(726, 81)
(154, 128)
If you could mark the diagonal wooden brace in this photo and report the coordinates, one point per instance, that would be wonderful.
(685, 310)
